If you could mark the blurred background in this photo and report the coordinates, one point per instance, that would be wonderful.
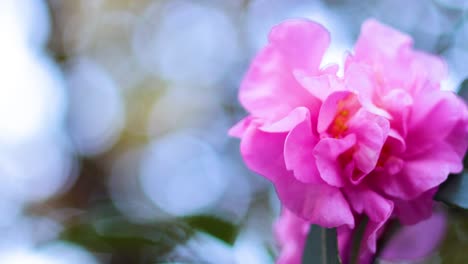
(113, 121)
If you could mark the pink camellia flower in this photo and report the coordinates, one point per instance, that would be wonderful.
(375, 143)
(291, 234)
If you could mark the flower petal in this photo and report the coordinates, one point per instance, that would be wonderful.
(371, 132)
(326, 153)
(302, 42)
(398, 103)
(412, 211)
(368, 244)
(457, 137)
(360, 79)
(285, 124)
(444, 108)
(298, 152)
(238, 129)
(320, 86)
(421, 172)
(291, 233)
(366, 201)
(378, 41)
(429, 67)
(320, 204)
(345, 243)
(368, 247)
(269, 89)
(329, 109)
(263, 152)
(378, 209)
(416, 242)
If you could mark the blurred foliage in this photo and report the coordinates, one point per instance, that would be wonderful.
(127, 242)
(214, 226)
(102, 229)
(453, 249)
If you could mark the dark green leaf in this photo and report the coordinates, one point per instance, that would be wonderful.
(84, 234)
(463, 90)
(321, 246)
(357, 239)
(116, 234)
(214, 226)
(454, 191)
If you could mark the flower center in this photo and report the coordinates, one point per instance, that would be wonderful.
(339, 127)
(346, 108)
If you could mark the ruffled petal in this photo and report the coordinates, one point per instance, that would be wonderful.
(378, 209)
(327, 153)
(398, 103)
(368, 246)
(420, 173)
(368, 202)
(372, 234)
(291, 233)
(433, 117)
(238, 129)
(429, 67)
(457, 138)
(378, 41)
(269, 89)
(320, 204)
(263, 152)
(320, 86)
(287, 123)
(302, 42)
(345, 243)
(330, 107)
(360, 79)
(298, 152)
(412, 211)
(371, 132)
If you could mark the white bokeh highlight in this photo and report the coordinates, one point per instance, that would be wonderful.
(53, 253)
(186, 41)
(96, 114)
(126, 192)
(182, 174)
(32, 97)
(44, 163)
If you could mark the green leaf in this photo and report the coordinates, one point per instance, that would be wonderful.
(463, 90)
(454, 191)
(321, 246)
(118, 236)
(358, 235)
(85, 235)
(214, 226)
